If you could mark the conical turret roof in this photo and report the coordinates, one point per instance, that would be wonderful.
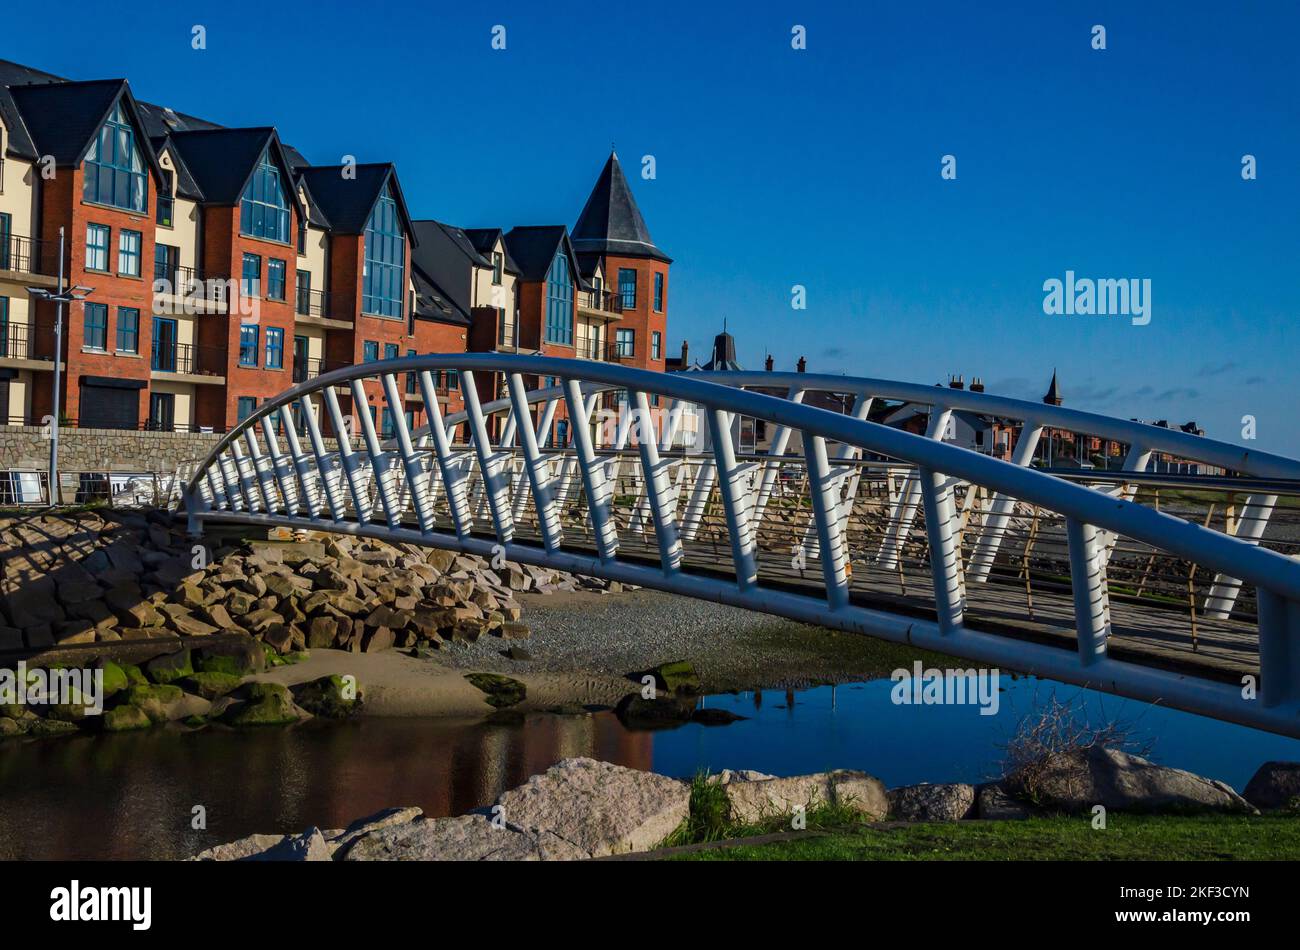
(610, 222)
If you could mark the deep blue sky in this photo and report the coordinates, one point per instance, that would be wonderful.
(821, 167)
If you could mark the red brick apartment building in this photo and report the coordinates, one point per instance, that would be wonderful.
(225, 268)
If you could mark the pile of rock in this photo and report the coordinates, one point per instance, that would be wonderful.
(105, 577)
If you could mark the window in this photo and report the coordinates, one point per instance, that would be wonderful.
(4, 337)
(506, 333)
(496, 267)
(559, 302)
(251, 285)
(96, 326)
(387, 429)
(128, 252)
(627, 287)
(244, 407)
(166, 261)
(275, 271)
(659, 291)
(128, 330)
(302, 237)
(656, 345)
(369, 351)
(383, 279)
(114, 172)
(6, 228)
(264, 210)
(303, 292)
(248, 336)
(166, 203)
(97, 238)
(410, 377)
(390, 351)
(274, 348)
(625, 342)
(453, 379)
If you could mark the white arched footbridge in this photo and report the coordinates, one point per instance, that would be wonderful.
(1166, 588)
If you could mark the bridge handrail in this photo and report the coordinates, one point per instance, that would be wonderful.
(1257, 565)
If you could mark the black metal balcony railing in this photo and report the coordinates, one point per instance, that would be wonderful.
(605, 301)
(28, 255)
(189, 282)
(18, 342)
(307, 368)
(318, 303)
(621, 351)
(186, 358)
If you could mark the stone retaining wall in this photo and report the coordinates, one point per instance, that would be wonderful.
(103, 450)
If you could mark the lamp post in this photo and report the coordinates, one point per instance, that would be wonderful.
(58, 299)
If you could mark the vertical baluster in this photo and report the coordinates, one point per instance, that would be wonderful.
(1000, 509)
(453, 476)
(279, 465)
(348, 459)
(494, 485)
(593, 474)
(949, 592)
(547, 521)
(1088, 579)
(735, 500)
(311, 493)
(326, 470)
(659, 492)
(826, 519)
(380, 462)
(411, 464)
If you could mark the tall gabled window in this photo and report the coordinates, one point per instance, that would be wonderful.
(498, 264)
(383, 282)
(264, 210)
(627, 287)
(559, 301)
(114, 172)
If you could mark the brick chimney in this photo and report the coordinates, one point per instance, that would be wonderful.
(685, 355)
(802, 365)
(976, 385)
(767, 363)
(956, 382)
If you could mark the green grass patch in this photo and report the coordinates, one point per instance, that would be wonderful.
(1126, 838)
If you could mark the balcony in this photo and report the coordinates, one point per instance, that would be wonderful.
(188, 290)
(620, 352)
(318, 308)
(198, 364)
(600, 303)
(28, 260)
(19, 348)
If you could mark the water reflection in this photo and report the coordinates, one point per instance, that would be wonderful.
(132, 795)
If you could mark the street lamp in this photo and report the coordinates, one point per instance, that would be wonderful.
(58, 299)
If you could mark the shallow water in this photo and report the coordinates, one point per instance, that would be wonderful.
(133, 795)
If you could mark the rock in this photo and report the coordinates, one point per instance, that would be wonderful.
(517, 653)
(166, 703)
(243, 657)
(467, 838)
(381, 638)
(510, 630)
(241, 849)
(114, 677)
(1076, 781)
(308, 846)
(11, 638)
(332, 697)
(124, 718)
(388, 818)
(11, 727)
(664, 712)
(767, 798)
(677, 676)
(182, 622)
(715, 717)
(993, 803)
(266, 704)
(925, 802)
(727, 776)
(323, 632)
(169, 668)
(210, 685)
(1275, 785)
(501, 690)
(33, 604)
(219, 617)
(279, 637)
(239, 602)
(597, 807)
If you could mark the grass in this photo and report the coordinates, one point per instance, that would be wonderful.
(1126, 838)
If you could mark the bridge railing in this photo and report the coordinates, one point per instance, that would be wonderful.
(816, 537)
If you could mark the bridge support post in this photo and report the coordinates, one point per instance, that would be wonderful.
(826, 516)
(999, 512)
(949, 590)
(1088, 578)
(1279, 648)
(1250, 528)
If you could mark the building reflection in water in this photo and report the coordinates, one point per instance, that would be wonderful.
(133, 795)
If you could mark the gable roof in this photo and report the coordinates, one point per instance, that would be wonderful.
(610, 222)
(533, 247)
(63, 118)
(186, 186)
(19, 141)
(485, 242)
(223, 160)
(347, 202)
(446, 258)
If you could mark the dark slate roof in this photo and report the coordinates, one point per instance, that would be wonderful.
(432, 303)
(162, 120)
(222, 161)
(446, 259)
(485, 241)
(186, 186)
(610, 222)
(534, 247)
(724, 355)
(347, 202)
(19, 142)
(1053, 391)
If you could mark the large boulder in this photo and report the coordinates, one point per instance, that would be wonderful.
(944, 802)
(241, 849)
(166, 703)
(241, 657)
(1275, 785)
(170, 667)
(1076, 781)
(598, 807)
(388, 818)
(467, 838)
(754, 801)
(308, 846)
(265, 704)
(994, 803)
(332, 697)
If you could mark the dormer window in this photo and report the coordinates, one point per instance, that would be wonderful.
(114, 172)
(264, 210)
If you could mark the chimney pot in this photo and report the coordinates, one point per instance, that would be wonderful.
(767, 363)
(802, 365)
